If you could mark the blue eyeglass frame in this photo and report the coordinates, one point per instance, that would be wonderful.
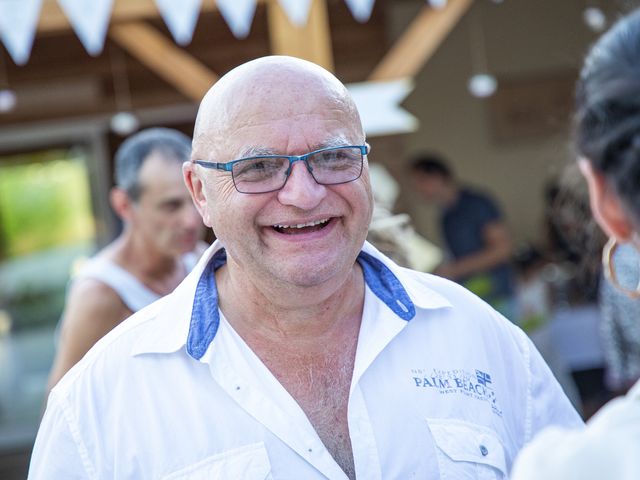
(228, 166)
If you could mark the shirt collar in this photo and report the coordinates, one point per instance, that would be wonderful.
(191, 317)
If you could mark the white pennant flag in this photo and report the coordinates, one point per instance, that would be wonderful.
(90, 20)
(18, 23)
(437, 3)
(238, 14)
(297, 11)
(379, 106)
(360, 9)
(181, 17)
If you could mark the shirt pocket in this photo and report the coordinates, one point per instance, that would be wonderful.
(467, 451)
(248, 462)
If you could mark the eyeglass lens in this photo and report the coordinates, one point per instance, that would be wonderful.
(328, 167)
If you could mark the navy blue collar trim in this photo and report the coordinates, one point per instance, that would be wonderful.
(386, 286)
(205, 316)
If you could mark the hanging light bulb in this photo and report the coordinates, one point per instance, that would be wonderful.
(8, 98)
(595, 19)
(124, 122)
(481, 84)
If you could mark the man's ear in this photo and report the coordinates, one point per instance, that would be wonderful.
(121, 203)
(606, 206)
(196, 189)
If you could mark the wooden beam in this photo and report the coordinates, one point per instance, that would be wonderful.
(52, 18)
(311, 42)
(160, 54)
(420, 41)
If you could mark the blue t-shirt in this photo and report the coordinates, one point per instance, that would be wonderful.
(463, 224)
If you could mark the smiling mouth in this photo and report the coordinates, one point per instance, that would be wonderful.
(302, 227)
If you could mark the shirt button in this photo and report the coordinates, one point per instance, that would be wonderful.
(484, 451)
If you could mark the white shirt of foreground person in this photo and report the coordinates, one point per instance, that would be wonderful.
(443, 387)
(609, 448)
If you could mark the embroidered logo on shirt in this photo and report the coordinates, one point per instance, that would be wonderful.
(483, 378)
(476, 385)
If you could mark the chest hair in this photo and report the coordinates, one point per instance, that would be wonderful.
(320, 383)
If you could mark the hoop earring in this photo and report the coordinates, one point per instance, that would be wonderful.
(610, 271)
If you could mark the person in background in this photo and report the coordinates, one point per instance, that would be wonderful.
(607, 138)
(393, 234)
(474, 231)
(160, 243)
(574, 244)
(295, 349)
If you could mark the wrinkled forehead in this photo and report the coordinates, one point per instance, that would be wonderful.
(259, 100)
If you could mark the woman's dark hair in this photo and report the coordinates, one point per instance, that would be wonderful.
(607, 119)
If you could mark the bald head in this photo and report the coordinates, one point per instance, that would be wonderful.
(266, 90)
(282, 106)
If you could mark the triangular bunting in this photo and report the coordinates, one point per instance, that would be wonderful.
(379, 107)
(89, 19)
(296, 10)
(437, 3)
(18, 23)
(238, 14)
(181, 17)
(360, 9)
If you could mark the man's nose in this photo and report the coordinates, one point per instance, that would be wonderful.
(301, 190)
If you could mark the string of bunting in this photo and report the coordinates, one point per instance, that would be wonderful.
(90, 19)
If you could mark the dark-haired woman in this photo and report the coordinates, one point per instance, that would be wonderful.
(607, 137)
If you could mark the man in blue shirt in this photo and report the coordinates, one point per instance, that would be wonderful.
(474, 231)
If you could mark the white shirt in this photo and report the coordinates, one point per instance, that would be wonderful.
(609, 448)
(443, 387)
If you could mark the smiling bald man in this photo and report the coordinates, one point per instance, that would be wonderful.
(295, 349)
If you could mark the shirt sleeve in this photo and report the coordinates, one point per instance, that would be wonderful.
(58, 451)
(486, 210)
(547, 404)
(607, 448)
(555, 454)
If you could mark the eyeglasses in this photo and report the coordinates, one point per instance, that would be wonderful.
(268, 173)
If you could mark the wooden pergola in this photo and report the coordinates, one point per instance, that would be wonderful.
(158, 71)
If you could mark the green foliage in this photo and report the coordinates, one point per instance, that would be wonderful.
(481, 285)
(44, 204)
(46, 221)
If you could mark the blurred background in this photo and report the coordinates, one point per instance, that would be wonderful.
(486, 83)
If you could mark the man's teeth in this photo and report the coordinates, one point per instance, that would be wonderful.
(303, 225)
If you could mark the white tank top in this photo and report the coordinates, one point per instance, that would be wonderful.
(134, 294)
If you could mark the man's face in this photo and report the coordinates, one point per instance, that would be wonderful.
(305, 233)
(164, 215)
(434, 188)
